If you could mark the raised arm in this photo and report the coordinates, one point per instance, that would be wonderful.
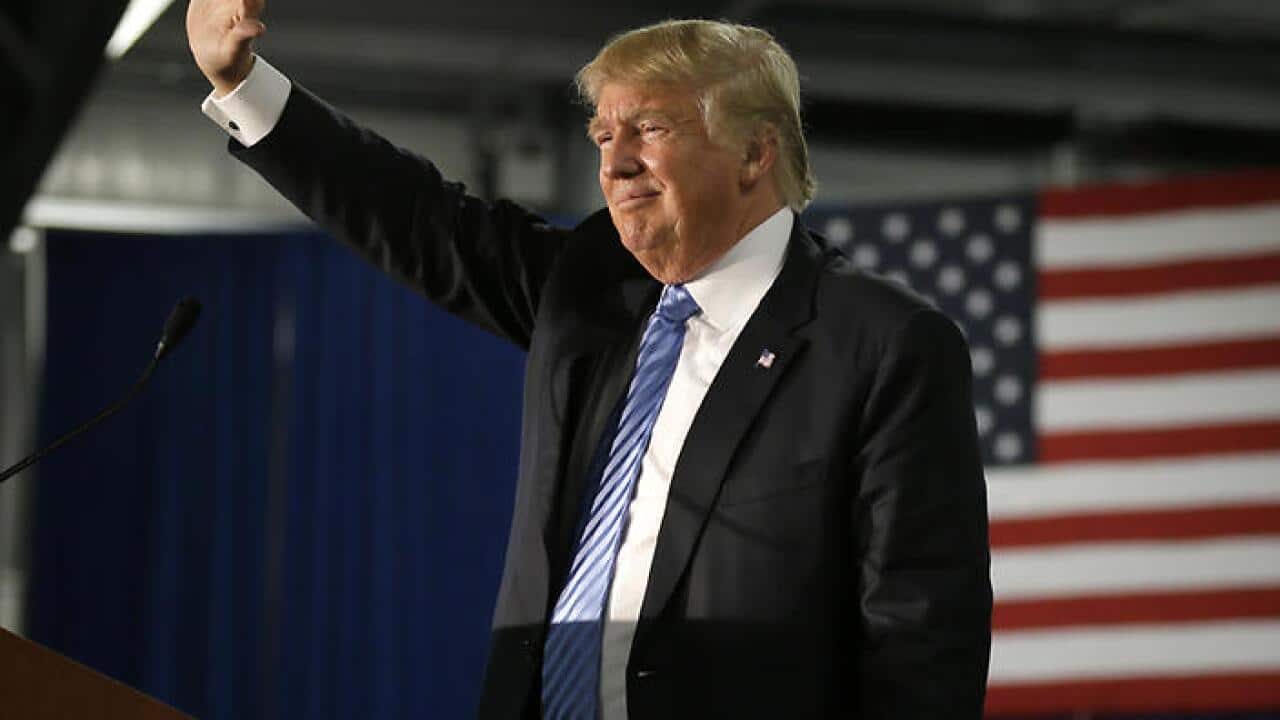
(485, 262)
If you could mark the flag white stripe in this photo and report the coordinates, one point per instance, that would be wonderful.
(1064, 243)
(1218, 647)
(1160, 319)
(1170, 401)
(1031, 491)
(1119, 567)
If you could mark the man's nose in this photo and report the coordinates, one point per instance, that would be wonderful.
(620, 161)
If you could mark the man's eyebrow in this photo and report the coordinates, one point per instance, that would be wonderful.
(597, 124)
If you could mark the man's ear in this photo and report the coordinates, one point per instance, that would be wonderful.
(760, 154)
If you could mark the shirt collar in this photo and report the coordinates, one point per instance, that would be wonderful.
(730, 289)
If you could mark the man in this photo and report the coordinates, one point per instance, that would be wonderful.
(749, 481)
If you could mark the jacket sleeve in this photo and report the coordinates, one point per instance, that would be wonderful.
(485, 262)
(924, 592)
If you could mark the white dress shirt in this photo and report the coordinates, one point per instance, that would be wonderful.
(249, 112)
(728, 292)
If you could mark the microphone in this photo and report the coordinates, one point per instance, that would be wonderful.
(181, 320)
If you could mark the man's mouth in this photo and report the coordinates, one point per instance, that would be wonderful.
(636, 198)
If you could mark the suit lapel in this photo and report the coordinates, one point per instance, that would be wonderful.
(611, 338)
(736, 396)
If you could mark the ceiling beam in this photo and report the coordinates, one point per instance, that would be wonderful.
(1113, 80)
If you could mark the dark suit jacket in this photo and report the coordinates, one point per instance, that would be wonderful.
(824, 550)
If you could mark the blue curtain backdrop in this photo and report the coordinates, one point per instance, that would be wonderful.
(304, 516)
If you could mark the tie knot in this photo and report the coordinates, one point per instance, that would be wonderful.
(677, 305)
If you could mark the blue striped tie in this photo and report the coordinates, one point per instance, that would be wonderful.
(571, 668)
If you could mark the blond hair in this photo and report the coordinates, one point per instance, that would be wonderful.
(746, 81)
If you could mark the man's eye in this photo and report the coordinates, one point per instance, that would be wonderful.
(602, 139)
(651, 129)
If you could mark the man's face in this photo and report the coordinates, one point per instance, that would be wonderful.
(678, 200)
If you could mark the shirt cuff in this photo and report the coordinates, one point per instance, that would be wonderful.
(251, 111)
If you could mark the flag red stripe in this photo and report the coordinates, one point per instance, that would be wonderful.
(1244, 271)
(1166, 359)
(1154, 607)
(1237, 691)
(1136, 443)
(1118, 199)
(1179, 524)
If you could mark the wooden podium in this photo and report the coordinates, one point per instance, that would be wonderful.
(38, 684)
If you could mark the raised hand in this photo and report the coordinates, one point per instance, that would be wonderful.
(221, 33)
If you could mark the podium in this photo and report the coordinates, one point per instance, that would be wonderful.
(37, 683)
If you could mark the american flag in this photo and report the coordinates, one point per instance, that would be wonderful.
(1126, 351)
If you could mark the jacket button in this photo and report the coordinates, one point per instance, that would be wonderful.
(645, 674)
(529, 648)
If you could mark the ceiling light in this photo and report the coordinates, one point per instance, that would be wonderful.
(24, 239)
(136, 19)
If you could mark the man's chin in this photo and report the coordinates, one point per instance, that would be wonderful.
(654, 252)
(661, 265)
(640, 242)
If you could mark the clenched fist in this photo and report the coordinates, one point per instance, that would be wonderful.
(221, 33)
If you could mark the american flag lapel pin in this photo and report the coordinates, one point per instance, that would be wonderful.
(766, 359)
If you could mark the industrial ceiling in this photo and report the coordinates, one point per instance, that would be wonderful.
(986, 70)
